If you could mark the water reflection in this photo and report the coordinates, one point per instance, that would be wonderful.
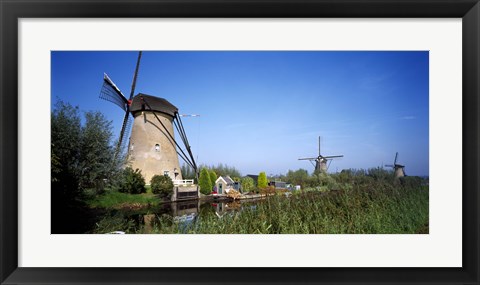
(183, 214)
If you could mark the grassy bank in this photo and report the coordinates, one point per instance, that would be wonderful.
(116, 200)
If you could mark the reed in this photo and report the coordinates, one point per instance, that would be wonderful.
(380, 211)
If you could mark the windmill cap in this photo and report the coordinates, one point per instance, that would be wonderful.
(156, 104)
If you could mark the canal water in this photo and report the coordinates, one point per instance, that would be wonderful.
(184, 213)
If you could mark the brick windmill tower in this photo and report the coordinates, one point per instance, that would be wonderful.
(152, 146)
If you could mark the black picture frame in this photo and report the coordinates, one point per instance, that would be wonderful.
(11, 11)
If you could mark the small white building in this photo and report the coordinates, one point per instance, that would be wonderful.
(224, 184)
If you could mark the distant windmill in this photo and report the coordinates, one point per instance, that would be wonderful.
(399, 169)
(320, 160)
(152, 148)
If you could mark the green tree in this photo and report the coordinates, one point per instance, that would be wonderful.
(66, 136)
(96, 152)
(262, 181)
(213, 177)
(187, 172)
(225, 170)
(162, 185)
(247, 184)
(56, 165)
(298, 177)
(131, 181)
(81, 158)
(204, 182)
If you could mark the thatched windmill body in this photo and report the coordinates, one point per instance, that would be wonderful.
(321, 162)
(152, 146)
(398, 169)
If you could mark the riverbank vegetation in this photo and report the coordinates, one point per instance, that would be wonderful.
(86, 175)
(341, 204)
(118, 200)
(352, 202)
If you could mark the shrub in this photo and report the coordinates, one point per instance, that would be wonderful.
(247, 184)
(380, 174)
(162, 185)
(411, 182)
(269, 190)
(262, 181)
(131, 181)
(213, 177)
(204, 182)
(324, 181)
(298, 177)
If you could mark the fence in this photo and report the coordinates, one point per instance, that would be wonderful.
(184, 182)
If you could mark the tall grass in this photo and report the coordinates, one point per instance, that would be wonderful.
(385, 211)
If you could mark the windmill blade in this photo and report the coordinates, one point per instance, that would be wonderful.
(126, 126)
(135, 74)
(395, 161)
(330, 162)
(319, 153)
(111, 93)
(332, 156)
(308, 158)
(126, 119)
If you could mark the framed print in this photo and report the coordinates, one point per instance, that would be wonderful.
(374, 104)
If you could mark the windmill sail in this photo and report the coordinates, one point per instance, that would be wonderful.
(332, 156)
(321, 161)
(111, 93)
(126, 127)
(127, 120)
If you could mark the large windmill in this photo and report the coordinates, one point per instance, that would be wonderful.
(398, 169)
(321, 160)
(152, 147)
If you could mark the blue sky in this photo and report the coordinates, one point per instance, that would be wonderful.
(262, 110)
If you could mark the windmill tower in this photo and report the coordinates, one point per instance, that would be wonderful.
(321, 162)
(152, 148)
(152, 144)
(399, 170)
